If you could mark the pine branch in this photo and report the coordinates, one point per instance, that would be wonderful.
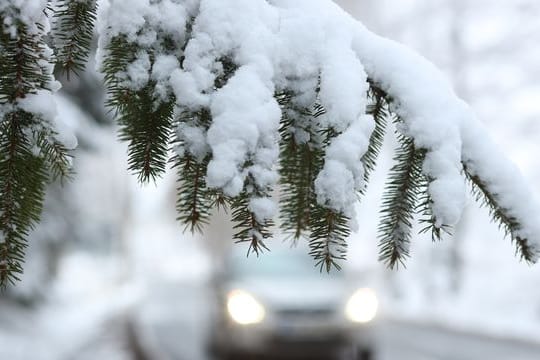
(399, 203)
(297, 191)
(73, 32)
(194, 200)
(193, 205)
(501, 215)
(428, 219)
(55, 154)
(248, 228)
(21, 67)
(327, 242)
(147, 129)
(29, 154)
(302, 158)
(219, 201)
(297, 169)
(146, 124)
(23, 177)
(379, 109)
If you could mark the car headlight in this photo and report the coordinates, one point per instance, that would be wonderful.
(243, 308)
(362, 306)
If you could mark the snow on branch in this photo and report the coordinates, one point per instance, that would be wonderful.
(33, 143)
(255, 96)
(297, 95)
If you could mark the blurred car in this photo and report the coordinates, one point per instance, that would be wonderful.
(280, 305)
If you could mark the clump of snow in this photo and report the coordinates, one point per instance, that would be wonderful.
(264, 208)
(162, 69)
(29, 12)
(431, 112)
(138, 71)
(43, 104)
(245, 122)
(194, 140)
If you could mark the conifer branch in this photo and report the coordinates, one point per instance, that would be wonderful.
(302, 158)
(21, 64)
(248, 228)
(193, 199)
(23, 177)
(298, 195)
(73, 32)
(327, 242)
(29, 153)
(297, 170)
(399, 203)
(145, 123)
(502, 216)
(379, 109)
(427, 218)
(192, 204)
(55, 154)
(147, 129)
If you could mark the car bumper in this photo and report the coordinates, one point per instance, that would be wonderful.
(292, 339)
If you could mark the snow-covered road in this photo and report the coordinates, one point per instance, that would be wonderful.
(171, 320)
(181, 336)
(401, 340)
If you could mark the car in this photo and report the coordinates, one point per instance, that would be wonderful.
(279, 305)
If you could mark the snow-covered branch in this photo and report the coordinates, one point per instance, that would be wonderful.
(238, 58)
(255, 95)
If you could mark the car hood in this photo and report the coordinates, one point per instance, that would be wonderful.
(302, 293)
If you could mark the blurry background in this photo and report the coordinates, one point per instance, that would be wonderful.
(109, 274)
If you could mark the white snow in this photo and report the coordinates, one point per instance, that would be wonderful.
(194, 140)
(162, 69)
(44, 104)
(264, 208)
(245, 122)
(138, 71)
(30, 12)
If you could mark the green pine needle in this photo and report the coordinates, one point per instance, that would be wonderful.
(427, 218)
(147, 129)
(193, 204)
(399, 203)
(30, 155)
(248, 229)
(145, 123)
(73, 32)
(327, 242)
(193, 200)
(302, 158)
(381, 113)
(509, 223)
(23, 177)
(298, 162)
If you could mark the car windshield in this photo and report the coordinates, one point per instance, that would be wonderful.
(280, 263)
